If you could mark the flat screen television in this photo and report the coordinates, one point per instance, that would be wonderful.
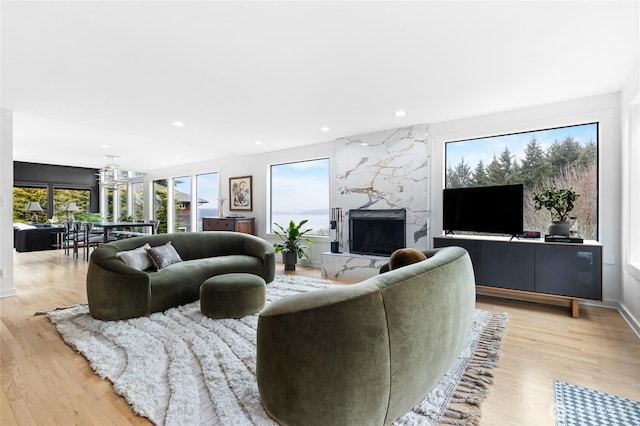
(489, 209)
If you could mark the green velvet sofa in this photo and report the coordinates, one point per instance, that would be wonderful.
(365, 354)
(117, 291)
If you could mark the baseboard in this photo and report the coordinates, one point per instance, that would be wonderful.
(8, 293)
(632, 321)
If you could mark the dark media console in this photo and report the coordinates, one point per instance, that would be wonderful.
(549, 270)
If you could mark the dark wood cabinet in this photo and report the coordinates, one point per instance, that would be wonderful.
(245, 225)
(533, 267)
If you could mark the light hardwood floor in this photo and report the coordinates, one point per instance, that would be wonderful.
(44, 381)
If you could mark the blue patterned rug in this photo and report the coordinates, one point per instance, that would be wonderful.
(578, 406)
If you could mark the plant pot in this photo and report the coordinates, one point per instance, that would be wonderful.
(559, 227)
(289, 259)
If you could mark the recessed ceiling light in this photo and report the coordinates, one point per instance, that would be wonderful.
(400, 113)
(364, 144)
(324, 129)
(104, 146)
(257, 143)
(177, 157)
(178, 123)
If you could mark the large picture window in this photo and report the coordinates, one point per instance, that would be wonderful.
(22, 196)
(63, 196)
(300, 191)
(563, 157)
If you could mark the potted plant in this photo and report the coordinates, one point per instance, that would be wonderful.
(560, 202)
(291, 246)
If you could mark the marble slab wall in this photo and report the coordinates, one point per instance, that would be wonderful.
(385, 170)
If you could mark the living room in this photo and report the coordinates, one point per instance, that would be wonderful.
(610, 106)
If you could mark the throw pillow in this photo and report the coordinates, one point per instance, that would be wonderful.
(136, 258)
(163, 256)
(405, 256)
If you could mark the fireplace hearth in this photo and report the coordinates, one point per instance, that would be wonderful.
(377, 232)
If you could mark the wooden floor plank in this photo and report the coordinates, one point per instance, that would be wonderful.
(44, 381)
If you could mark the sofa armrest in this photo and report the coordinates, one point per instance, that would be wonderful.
(117, 291)
(330, 347)
(258, 247)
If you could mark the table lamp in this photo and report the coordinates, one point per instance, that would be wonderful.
(71, 207)
(34, 206)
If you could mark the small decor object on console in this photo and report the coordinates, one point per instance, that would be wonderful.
(560, 202)
(291, 246)
(240, 193)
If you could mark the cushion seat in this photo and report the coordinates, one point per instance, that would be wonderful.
(232, 295)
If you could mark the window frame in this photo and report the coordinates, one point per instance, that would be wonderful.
(632, 261)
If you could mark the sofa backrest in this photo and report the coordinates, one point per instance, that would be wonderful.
(189, 245)
(366, 352)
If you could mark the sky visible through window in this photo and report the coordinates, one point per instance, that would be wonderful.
(301, 191)
(485, 149)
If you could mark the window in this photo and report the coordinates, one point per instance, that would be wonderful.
(109, 194)
(160, 204)
(207, 192)
(182, 204)
(123, 209)
(563, 157)
(300, 191)
(64, 196)
(22, 196)
(137, 190)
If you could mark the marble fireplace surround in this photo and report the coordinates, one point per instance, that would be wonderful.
(382, 170)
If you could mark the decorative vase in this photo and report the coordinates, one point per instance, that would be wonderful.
(289, 258)
(559, 227)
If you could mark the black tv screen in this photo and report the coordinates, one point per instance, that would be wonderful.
(490, 209)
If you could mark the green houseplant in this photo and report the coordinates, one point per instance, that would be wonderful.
(291, 245)
(559, 202)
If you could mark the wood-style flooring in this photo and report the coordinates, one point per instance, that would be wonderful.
(44, 381)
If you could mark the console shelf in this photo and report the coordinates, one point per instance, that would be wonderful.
(533, 268)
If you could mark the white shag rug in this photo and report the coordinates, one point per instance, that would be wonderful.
(182, 368)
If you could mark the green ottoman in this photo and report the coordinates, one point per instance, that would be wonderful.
(232, 295)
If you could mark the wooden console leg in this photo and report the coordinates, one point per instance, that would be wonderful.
(575, 308)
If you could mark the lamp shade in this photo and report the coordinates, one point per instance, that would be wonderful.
(33, 206)
(71, 207)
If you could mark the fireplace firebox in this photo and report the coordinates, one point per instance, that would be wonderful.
(377, 232)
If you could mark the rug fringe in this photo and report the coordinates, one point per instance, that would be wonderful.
(473, 387)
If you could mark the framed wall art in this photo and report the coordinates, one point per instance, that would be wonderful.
(240, 193)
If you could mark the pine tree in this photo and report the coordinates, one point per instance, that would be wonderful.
(534, 167)
(563, 155)
(479, 176)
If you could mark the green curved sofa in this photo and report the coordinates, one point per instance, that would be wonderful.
(116, 291)
(369, 352)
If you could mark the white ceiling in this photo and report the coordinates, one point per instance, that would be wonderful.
(78, 75)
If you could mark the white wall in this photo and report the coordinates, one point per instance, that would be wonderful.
(630, 285)
(6, 204)
(604, 109)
